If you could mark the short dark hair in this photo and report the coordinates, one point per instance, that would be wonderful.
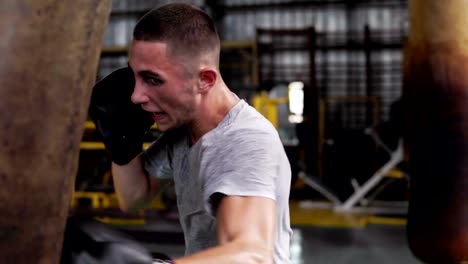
(185, 27)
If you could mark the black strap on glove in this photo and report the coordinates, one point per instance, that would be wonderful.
(122, 123)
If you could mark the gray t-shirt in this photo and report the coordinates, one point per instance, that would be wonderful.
(242, 156)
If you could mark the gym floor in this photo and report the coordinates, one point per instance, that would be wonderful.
(321, 235)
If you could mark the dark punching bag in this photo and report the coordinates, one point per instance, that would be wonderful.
(435, 101)
(49, 52)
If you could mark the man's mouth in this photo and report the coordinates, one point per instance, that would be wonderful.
(157, 116)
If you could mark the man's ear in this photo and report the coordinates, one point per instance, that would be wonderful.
(207, 79)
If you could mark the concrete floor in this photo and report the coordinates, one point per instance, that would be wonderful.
(378, 244)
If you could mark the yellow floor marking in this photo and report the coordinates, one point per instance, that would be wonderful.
(386, 220)
(325, 216)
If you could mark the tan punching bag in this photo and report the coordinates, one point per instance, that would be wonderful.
(49, 52)
(435, 100)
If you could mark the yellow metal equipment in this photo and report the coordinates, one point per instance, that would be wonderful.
(268, 107)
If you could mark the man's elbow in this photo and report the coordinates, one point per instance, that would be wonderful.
(125, 207)
(260, 251)
(131, 205)
(265, 255)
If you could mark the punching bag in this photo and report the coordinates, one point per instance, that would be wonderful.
(49, 54)
(435, 101)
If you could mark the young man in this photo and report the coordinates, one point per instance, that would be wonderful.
(231, 174)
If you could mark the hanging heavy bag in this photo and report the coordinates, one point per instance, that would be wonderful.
(435, 106)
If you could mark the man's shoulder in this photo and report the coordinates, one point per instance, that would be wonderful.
(250, 120)
(251, 133)
(245, 126)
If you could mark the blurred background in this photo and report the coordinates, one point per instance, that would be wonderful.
(328, 75)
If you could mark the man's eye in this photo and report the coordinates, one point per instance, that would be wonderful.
(153, 81)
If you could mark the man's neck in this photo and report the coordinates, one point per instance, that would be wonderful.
(214, 108)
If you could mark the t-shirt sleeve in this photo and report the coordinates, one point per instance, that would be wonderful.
(246, 165)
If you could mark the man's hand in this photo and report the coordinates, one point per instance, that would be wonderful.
(121, 123)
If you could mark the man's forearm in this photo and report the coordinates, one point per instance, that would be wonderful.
(235, 252)
(132, 185)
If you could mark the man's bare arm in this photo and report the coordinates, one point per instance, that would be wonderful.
(134, 188)
(246, 233)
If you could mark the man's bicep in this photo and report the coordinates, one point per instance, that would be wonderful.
(247, 218)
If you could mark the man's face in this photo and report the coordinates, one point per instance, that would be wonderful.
(162, 85)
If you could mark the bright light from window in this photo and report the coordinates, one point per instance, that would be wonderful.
(296, 101)
(295, 119)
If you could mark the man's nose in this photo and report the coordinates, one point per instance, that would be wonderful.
(139, 96)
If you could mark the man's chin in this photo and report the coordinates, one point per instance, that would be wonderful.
(163, 127)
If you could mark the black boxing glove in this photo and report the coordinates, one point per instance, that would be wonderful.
(122, 123)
